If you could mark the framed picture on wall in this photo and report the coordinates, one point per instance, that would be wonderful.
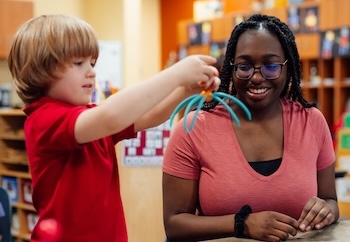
(206, 10)
(328, 44)
(199, 33)
(195, 33)
(310, 20)
(343, 41)
(294, 19)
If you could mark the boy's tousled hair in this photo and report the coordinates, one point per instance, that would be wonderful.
(273, 25)
(44, 45)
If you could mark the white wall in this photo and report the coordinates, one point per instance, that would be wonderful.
(141, 187)
(74, 7)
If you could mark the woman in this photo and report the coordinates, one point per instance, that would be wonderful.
(267, 178)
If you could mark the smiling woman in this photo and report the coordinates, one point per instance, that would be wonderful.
(226, 174)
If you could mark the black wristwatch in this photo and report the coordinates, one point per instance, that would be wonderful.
(239, 220)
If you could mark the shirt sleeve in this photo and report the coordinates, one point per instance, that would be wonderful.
(181, 158)
(323, 136)
(127, 133)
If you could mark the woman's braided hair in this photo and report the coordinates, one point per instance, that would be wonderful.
(292, 90)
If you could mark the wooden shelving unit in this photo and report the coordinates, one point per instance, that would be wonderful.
(14, 173)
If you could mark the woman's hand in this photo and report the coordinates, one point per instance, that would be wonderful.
(270, 226)
(317, 213)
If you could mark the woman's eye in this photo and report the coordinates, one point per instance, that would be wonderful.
(271, 67)
(244, 67)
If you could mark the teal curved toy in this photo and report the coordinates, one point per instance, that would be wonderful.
(205, 96)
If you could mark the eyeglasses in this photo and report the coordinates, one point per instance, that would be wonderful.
(268, 71)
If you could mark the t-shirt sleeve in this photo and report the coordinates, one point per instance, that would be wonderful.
(181, 155)
(323, 135)
(55, 128)
(127, 133)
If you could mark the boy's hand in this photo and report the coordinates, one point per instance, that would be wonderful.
(197, 71)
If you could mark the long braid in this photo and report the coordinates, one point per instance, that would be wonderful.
(292, 90)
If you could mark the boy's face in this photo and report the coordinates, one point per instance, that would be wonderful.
(76, 83)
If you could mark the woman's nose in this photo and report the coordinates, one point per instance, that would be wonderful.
(257, 77)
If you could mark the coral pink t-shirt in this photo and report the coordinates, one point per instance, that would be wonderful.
(76, 185)
(212, 155)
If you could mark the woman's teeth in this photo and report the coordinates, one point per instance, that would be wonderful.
(257, 91)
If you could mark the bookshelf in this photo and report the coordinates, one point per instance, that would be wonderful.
(14, 173)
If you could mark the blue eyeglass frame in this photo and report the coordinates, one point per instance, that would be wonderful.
(258, 68)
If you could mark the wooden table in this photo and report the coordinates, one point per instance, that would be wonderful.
(336, 232)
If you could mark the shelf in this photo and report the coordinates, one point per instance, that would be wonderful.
(11, 112)
(14, 162)
(14, 172)
(12, 137)
(18, 174)
(345, 84)
(24, 206)
(24, 236)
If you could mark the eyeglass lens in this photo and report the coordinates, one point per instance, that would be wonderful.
(268, 71)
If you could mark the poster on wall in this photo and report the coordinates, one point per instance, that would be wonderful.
(310, 20)
(147, 149)
(206, 10)
(199, 33)
(328, 47)
(108, 69)
(294, 20)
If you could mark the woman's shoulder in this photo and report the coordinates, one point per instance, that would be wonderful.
(296, 109)
(204, 118)
(215, 112)
(296, 106)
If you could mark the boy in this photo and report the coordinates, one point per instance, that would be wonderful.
(70, 142)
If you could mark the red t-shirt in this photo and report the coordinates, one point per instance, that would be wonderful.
(77, 185)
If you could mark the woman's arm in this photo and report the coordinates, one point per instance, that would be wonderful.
(180, 199)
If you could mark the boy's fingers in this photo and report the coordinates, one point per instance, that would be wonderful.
(208, 59)
(212, 84)
(211, 71)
